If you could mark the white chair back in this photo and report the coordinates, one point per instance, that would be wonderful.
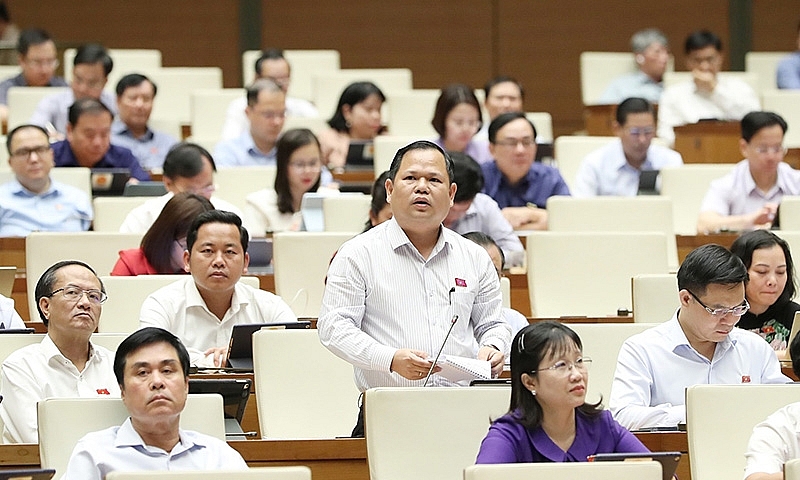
(570, 150)
(447, 425)
(410, 112)
(386, 146)
(328, 86)
(346, 212)
(288, 385)
(234, 184)
(790, 213)
(654, 296)
(791, 469)
(175, 85)
(686, 186)
(597, 266)
(304, 63)
(110, 212)
(764, 64)
(209, 108)
(785, 103)
(644, 470)
(505, 290)
(126, 60)
(253, 473)
(22, 102)
(543, 122)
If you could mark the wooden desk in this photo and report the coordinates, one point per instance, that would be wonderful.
(669, 442)
(709, 142)
(599, 119)
(687, 243)
(355, 180)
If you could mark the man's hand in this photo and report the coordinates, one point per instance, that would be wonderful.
(412, 364)
(495, 358)
(704, 81)
(526, 218)
(220, 355)
(765, 216)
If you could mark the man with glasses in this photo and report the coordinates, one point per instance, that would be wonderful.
(749, 196)
(90, 71)
(33, 201)
(699, 345)
(69, 297)
(519, 185)
(37, 57)
(706, 94)
(188, 167)
(615, 168)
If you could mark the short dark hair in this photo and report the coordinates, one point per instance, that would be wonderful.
(453, 95)
(531, 345)
(378, 198)
(258, 86)
(185, 160)
(710, 264)
(487, 88)
(142, 338)
(755, 121)
(287, 144)
(633, 105)
(747, 243)
(353, 94)
(700, 39)
(217, 216)
(268, 54)
(467, 175)
(486, 241)
(86, 106)
(14, 131)
(133, 80)
(44, 287)
(420, 145)
(30, 37)
(505, 118)
(91, 53)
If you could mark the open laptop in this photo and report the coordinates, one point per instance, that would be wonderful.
(360, 154)
(109, 182)
(795, 329)
(234, 391)
(240, 348)
(28, 474)
(668, 460)
(260, 251)
(311, 210)
(648, 182)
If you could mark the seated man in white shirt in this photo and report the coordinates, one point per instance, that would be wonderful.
(699, 345)
(273, 66)
(651, 52)
(188, 167)
(69, 297)
(615, 168)
(706, 95)
(152, 369)
(749, 196)
(202, 309)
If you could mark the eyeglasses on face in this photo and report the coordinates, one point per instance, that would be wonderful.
(736, 311)
(563, 368)
(73, 294)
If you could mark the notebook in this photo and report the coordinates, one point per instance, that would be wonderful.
(108, 182)
(668, 460)
(28, 474)
(240, 348)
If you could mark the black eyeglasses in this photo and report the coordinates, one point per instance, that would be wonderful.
(737, 311)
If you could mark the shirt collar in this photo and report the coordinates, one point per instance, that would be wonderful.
(127, 436)
(51, 350)
(398, 238)
(677, 338)
(620, 162)
(194, 299)
(118, 127)
(19, 190)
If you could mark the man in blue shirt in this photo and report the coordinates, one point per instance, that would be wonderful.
(651, 53)
(788, 73)
(33, 201)
(88, 141)
(519, 185)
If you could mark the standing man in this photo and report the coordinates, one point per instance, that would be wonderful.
(33, 201)
(152, 369)
(187, 168)
(271, 65)
(388, 330)
(503, 94)
(135, 96)
(266, 110)
(699, 345)
(749, 196)
(202, 309)
(518, 184)
(90, 71)
(651, 54)
(615, 168)
(69, 297)
(37, 57)
(706, 95)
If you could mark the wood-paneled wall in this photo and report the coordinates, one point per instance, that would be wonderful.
(443, 41)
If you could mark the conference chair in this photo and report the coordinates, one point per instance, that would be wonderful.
(126, 60)
(386, 146)
(4, 155)
(792, 237)
(126, 295)
(614, 214)
(791, 469)
(302, 389)
(570, 150)
(110, 212)
(8, 71)
(718, 428)
(589, 273)
(428, 433)
(785, 103)
(505, 290)
(765, 65)
(543, 122)
(328, 86)
(64, 421)
(22, 102)
(175, 85)
(110, 341)
(410, 112)
(209, 108)
(789, 213)
(654, 296)
(643, 470)
(750, 78)
(346, 212)
(234, 184)
(315, 124)
(686, 186)
(303, 63)
(100, 250)
(254, 473)
(602, 343)
(301, 262)
(171, 126)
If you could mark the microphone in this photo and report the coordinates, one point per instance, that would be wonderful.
(430, 372)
